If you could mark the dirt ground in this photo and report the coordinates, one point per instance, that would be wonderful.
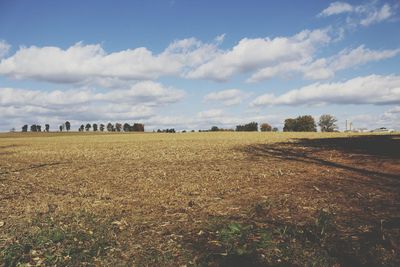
(199, 199)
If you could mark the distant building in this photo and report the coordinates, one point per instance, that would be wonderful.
(382, 130)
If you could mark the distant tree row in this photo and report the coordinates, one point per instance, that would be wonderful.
(36, 128)
(249, 127)
(265, 127)
(305, 123)
(300, 124)
(166, 130)
(118, 127)
(217, 129)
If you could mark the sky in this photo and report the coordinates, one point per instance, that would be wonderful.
(191, 64)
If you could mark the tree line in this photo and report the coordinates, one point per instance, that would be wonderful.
(117, 127)
(327, 123)
(306, 123)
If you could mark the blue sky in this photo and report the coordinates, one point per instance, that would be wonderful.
(194, 64)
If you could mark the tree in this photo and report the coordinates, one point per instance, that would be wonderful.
(265, 127)
(126, 127)
(67, 126)
(87, 127)
(38, 128)
(118, 127)
(306, 124)
(94, 127)
(138, 127)
(290, 125)
(300, 124)
(249, 127)
(110, 127)
(275, 129)
(214, 129)
(61, 127)
(33, 128)
(101, 127)
(25, 128)
(327, 123)
(81, 128)
(47, 127)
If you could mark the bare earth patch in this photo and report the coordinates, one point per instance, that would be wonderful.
(200, 199)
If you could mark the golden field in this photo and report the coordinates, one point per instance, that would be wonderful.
(199, 199)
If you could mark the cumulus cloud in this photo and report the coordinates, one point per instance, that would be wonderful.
(147, 92)
(207, 118)
(211, 113)
(347, 58)
(4, 48)
(376, 16)
(394, 110)
(352, 57)
(252, 54)
(91, 64)
(388, 119)
(336, 8)
(266, 58)
(83, 104)
(325, 68)
(364, 15)
(372, 89)
(227, 97)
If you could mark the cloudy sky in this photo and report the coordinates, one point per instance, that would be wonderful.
(192, 64)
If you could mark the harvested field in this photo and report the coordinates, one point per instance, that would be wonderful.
(200, 199)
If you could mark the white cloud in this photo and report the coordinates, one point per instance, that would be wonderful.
(211, 113)
(253, 54)
(360, 55)
(394, 110)
(227, 97)
(207, 118)
(377, 15)
(375, 120)
(390, 118)
(4, 48)
(147, 93)
(336, 8)
(318, 70)
(220, 38)
(364, 15)
(136, 103)
(325, 68)
(90, 64)
(373, 89)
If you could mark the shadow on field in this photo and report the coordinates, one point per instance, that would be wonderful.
(386, 146)
(315, 151)
(259, 241)
(359, 176)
